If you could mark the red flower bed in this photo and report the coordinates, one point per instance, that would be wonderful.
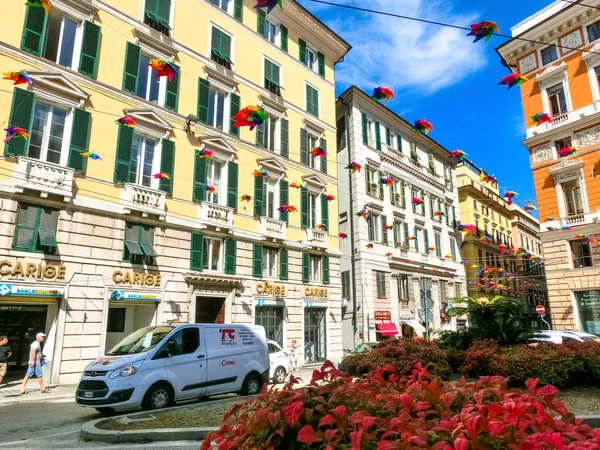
(386, 411)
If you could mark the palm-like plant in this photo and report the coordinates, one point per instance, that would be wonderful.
(499, 318)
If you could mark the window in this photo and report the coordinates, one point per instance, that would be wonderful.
(186, 341)
(212, 254)
(593, 31)
(271, 318)
(272, 32)
(269, 138)
(573, 200)
(272, 77)
(562, 143)
(272, 198)
(314, 210)
(380, 282)
(312, 100)
(61, 38)
(582, 254)
(373, 221)
(438, 244)
(221, 48)
(341, 133)
(312, 142)
(311, 59)
(269, 262)
(223, 4)
(425, 241)
(474, 205)
(406, 232)
(214, 178)
(418, 232)
(346, 284)
(35, 229)
(372, 181)
(139, 244)
(403, 288)
(143, 155)
(157, 15)
(116, 320)
(315, 269)
(397, 234)
(557, 99)
(216, 108)
(148, 84)
(597, 72)
(48, 131)
(414, 156)
(453, 248)
(549, 54)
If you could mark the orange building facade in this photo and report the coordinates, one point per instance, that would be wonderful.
(564, 82)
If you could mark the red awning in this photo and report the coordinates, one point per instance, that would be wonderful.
(387, 329)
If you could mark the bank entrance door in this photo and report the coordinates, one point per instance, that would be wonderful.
(21, 323)
(210, 309)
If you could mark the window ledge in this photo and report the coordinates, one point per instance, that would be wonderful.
(222, 150)
(57, 88)
(552, 74)
(212, 278)
(313, 126)
(149, 122)
(568, 169)
(221, 77)
(155, 43)
(314, 183)
(273, 105)
(272, 165)
(79, 9)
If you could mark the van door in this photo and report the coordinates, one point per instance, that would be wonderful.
(226, 359)
(186, 364)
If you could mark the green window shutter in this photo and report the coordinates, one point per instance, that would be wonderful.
(25, 235)
(302, 46)
(232, 185)
(388, 136)
(283, 34)
(151, 9)
(260, 135)
(90, 49)
(304, 208)
(132, 65)
(305, 267)
(257, 260)
(325, 262)
(403, 194)
(172, 96)
(199, 191)
(377, 136)
(48, 224)
(230, 256)
(384, 232)
(324, 158)
(309, 103)
(284, 198)
(203, 88)
(381, 187)
(163, 13)
(260, 24)
(197, 250)
(365, 129)
(238, 10)
(259, 196)
(304, 146)
(324, 211)
(283, 264)
(321, 59)
(21, 115)
(315, 102)
(80, 139)
(425, 240)
(399, 143)
(167, 165)
(226, 45)
(123, 160)
(285, 138)
(34, 30)
(235, 102)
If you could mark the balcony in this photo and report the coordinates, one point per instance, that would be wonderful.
(44, 177)
(144, 199)
(272, 87)
(273, 228)
(317, 238)
(560, 119)
(216, 215)
(571, 221)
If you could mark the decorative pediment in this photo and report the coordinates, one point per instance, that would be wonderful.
(314, 182)
(592, 56)
(273, 106)
(374, 207)
(398, 215)
(150, 122)
(78, 9)
(567, 170)
(221, 78)
(221, 148)
(373, 163)
(272, 165)
(313, 127)
(160, 46)
(58, 88)
(552, 74)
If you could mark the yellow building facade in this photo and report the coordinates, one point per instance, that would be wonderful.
(170, 221)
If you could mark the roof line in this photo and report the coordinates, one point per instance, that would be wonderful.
(324, 26)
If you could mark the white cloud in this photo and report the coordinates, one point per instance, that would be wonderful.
(400, 53)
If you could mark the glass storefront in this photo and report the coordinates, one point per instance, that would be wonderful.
(271, 318)
(315, 335)
(588, 304)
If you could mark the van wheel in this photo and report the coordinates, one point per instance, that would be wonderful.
(279, 375)
(105, 410)
(158, 396)
(252, 385)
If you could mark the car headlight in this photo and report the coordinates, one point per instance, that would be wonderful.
(126, 370)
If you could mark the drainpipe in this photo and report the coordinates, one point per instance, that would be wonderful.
(352, 247)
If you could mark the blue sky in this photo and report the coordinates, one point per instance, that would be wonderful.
(438, 73)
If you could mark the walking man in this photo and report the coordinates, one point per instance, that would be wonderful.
(35, 364)
(5, 353)
(294, 355)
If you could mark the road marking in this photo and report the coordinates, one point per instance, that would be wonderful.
(6, 444)
(171, 444)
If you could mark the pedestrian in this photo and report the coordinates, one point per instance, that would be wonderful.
(294, 355)
(35, 364)
(5, 353)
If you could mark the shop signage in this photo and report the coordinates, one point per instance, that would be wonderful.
(260, 302)
(141, 279)
(119, 295)
(308, 304)
(7, 290)
(31, 270)
(21, 308)
(382, 315)
(316, 292)
(406, 315)
(270, 288)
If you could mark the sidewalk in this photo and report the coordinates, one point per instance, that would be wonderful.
(9, 393)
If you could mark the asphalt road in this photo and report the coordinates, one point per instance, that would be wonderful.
(56, 424)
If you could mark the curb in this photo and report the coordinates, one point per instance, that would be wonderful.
(592, 421)
(89, 431)
(17, 399)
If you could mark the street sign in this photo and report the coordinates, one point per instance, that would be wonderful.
(540, 309)
(423, 318)
(426, 303)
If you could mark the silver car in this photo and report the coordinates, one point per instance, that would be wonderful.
(563, 336)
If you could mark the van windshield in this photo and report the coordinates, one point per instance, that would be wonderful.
(140, 341)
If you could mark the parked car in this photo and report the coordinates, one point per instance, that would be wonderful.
(159, 365)
(365, 347)
(279, 363)
(562, 336)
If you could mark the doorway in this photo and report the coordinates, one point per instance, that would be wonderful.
(124, 319)
(315, 335)
(210, 309)
(21, 323)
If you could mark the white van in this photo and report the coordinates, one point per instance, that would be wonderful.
(159, 365)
